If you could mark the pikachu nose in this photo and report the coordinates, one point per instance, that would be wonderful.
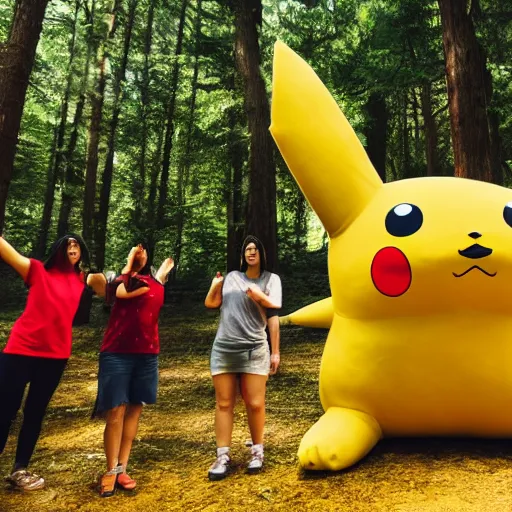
(474, 234)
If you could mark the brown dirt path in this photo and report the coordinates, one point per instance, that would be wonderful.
(175, 444)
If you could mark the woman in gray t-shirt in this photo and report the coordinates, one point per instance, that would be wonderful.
(240, 349)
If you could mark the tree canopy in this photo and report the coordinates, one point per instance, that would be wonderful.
(149, 118)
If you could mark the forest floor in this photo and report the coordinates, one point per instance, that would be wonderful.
(175, 443)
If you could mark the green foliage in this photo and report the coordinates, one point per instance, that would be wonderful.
(6, 13)
(393, 48)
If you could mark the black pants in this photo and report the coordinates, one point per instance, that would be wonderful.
(16, 372)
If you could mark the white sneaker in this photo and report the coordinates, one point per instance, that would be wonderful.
(220, 468)
(256, 462)
(25, 480)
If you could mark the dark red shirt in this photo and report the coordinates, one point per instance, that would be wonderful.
(133, 324)
(45, 327)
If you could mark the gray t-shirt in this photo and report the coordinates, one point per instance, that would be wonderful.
(242, 321)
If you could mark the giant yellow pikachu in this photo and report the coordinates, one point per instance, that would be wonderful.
(420, 339)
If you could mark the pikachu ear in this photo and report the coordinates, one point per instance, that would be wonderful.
(318, 144)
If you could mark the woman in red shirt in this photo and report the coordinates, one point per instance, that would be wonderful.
(128, 369)
(39, 345)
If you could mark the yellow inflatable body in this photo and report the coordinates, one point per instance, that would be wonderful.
(420, 273)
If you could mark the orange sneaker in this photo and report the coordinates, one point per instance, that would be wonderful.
(126, 483)
(108, 484)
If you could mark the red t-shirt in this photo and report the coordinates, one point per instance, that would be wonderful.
(45, 327)
(133, 324)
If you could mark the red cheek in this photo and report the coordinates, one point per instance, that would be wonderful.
(391, 272)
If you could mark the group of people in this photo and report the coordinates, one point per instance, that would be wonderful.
(39, 347)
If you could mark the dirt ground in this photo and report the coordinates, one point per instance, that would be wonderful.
(175, 444)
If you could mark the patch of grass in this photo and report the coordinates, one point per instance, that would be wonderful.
(176, 443)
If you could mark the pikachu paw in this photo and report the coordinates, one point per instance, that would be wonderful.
(339, 439)
(318, 457)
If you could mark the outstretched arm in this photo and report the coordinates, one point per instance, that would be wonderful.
(98, 282)
(12, 257)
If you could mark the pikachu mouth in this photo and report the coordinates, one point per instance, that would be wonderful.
(475, 267)
(474, 252)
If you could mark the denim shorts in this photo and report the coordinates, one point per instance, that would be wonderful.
(126, 379)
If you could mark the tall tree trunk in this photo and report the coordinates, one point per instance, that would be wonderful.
(261, 210)
(406, 155)
(429, 122)
(376, 132)
(101, 224)
(184, 168)
(69, 176)
(38, 249)
(150, 227)
(16, 61)
(140, 183)
(169, 128)
(97, 100)
(468, 102)
(392, 166)
(233, 187)
(300, 227)
(496, 148)
(494, 134)
(54, 170)
(415, 117)
(430, 128)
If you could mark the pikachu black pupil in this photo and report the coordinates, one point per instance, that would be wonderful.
(507, 213)
(405, 219)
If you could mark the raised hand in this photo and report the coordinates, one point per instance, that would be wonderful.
(166, 266)
(214, 297)
(133, 252)
(131, 257)
(217, 280)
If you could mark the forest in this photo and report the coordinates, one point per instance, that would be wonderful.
(148, 119)
(131, 120)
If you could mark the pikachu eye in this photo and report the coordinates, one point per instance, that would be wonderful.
(507, 213)
(405, 219)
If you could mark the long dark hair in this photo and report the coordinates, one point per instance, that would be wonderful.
(263, 258)
(58, 257)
